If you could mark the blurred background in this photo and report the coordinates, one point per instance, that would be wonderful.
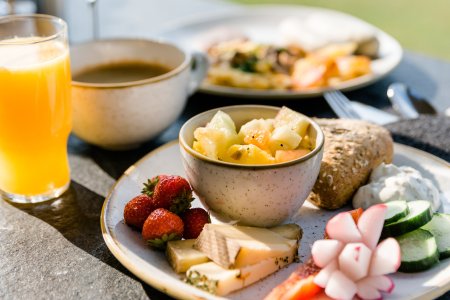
(421, 26)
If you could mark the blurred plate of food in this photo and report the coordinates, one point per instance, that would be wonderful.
(274, 51)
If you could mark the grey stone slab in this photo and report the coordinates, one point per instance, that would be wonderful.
(85, 171)
(55, 250)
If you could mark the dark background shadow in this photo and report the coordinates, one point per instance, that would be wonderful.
(77, 217)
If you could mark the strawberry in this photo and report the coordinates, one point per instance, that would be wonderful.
(194, 219)
(162, 226)
(137, 210)
(170, 192)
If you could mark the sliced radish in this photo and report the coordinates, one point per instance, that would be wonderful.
(354, 260)
(324, 251)
(342, 227)
(371, 223)
(321, 279)
(340, 287)
(367, 291)
(382, 283)
(386, 258)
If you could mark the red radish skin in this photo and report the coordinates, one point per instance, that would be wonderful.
(354, 260)
(340, 286)
(367, 292)
(332, 276)
(371, 223)
(343, 228)
(321, 279)
(386, 258)
(324, 251)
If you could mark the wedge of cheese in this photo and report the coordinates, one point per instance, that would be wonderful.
(234, 247)
(182, 255)
(220, 281)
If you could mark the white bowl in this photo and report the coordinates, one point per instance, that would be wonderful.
(123, 115)
(255, 195)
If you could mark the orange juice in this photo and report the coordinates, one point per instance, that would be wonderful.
(35, 116)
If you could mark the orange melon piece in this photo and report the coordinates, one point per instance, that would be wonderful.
(248, 154)
(288, 155)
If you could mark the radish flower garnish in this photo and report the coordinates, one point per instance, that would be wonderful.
(352, 261)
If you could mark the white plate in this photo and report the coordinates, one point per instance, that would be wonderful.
(260, 24)
(152, 267)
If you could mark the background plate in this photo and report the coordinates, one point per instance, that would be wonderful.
(151, 266)
(260, 24)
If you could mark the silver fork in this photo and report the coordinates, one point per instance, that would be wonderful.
(341, 105)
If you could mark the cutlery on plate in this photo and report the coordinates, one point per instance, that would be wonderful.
(345, 108)
(408, 103)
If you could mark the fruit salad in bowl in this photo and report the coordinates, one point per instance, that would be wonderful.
(251, 164)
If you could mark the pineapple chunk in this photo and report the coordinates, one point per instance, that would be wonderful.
(182, 255)
(284, 138)
(248, 154)
(293, 120)
(306, 143)
(288, 155)
(220, 281)
(210, 142)
(218, 135)
(239, 246)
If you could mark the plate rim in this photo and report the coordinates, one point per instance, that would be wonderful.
(282, 94)
(114, 248)
(153, 281)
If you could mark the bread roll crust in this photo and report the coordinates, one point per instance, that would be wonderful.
(353, 148)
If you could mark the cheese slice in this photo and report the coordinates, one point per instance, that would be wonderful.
(239, 246)
(182, 255)
(288, 231)
(220, 281)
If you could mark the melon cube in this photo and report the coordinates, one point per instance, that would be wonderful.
(284, 138)
(222, 121)
(292, 119)
(288, 155)
(257, 132)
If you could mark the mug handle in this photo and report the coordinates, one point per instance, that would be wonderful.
(199, 68)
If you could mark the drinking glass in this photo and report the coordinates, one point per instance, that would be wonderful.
(35, 108)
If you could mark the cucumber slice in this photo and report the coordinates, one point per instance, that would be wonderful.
(419, 251)
(395, 211)
(439, 226)
(419, 214)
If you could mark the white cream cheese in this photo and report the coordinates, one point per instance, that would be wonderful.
(389, 182)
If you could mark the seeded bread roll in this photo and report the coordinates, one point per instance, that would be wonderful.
(352, 149)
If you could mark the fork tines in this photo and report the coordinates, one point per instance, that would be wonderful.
(341, 105)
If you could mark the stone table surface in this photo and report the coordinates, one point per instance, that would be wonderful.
(55, 250)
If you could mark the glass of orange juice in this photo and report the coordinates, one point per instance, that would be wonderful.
(35, 108)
